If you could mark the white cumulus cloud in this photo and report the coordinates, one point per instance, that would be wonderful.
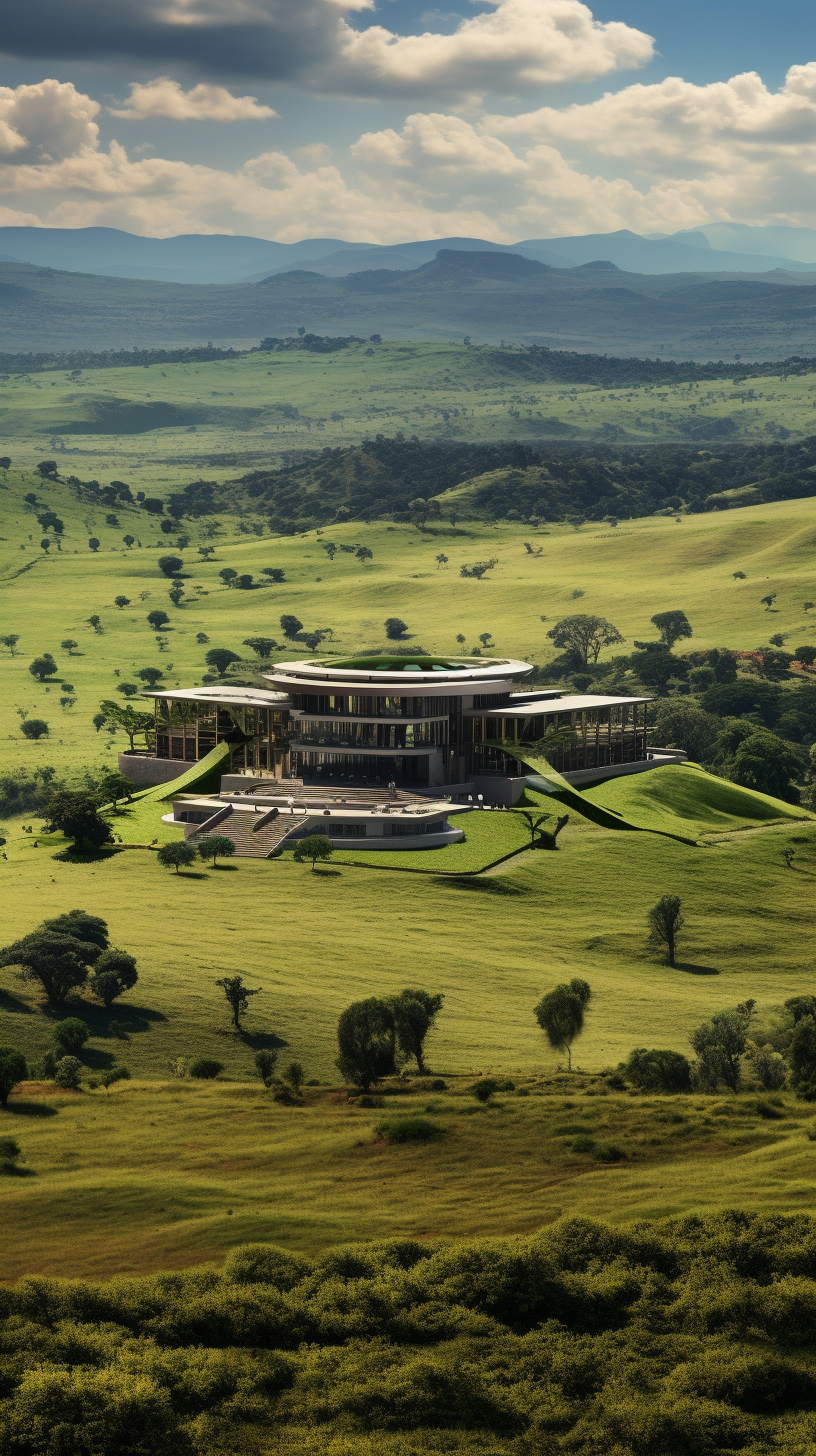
(165, 97)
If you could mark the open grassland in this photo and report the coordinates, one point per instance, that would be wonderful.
(143, 1177)
(315, 941)
(149, 423)
(626, 574)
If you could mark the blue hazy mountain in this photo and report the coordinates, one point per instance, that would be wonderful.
(223, 258)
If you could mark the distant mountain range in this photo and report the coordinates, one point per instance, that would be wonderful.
(221, 258)
(489, 295)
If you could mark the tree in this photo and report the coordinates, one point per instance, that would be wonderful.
(665, 923)
(176, 594)
(802, 1057)
(363, 553)
(228, 575)
(202, 639)
(461, 638)
(58, 962)
(170, 565)
(10, 641)
(35, 728)
(121, 602)
(45, 544)
(560, 1014)
(738, 575)
(96, 622)
(220, 658)
(441, 560)
(71, 1035)
(274, 573)
(290, 626)
(237, 995)
(126, 717)
(112, 787)
(43, 667)
(768, 601)
(47, 469)
(767, 1066)
(128, 690)
(415, 1013)
(672, 626)
(68, 1073)
(679, 724)
(295, 1076)
(114, 973)
(129, 541)
(584, 637)
(68, 644)
(150, 675)
(75, 814)
(157, 619)
(720, 1043)
(90, 929)
(214, 845)
(658, 1071)
(206, 552)
(265, 1061)
(263, 646)
(313, 847)
(654, 665)
(94, 543)
(174, 855)
(395, 628)
(808, 606)
(367, 1038)
(768, 764)
(244, 581)
(805, 654)
(13, 1069)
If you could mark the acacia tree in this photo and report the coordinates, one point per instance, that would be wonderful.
(584, 636)
(58, 962)
(214, 845)
(665, 923)
(672, 626)
(77, 816)
(560, 1014)
(367, 1037)
(126, 717)
(113, 787)
(395, 628)
(220, 658)
(263, 646)
(415, 1013)
(237, 995)
(173, 856)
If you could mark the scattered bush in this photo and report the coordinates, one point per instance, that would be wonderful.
(484, 1089)
(265, 1061)
(68, 1073)
(10, 1154)
(71, 1035)
(408, 1129)
(206, 1069)
(177, 855)
(657, 1071)
(35, 728)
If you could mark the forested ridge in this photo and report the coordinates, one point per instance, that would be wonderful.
(688, 1337)
(382, 477)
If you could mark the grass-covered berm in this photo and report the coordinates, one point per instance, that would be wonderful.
(694, 1337)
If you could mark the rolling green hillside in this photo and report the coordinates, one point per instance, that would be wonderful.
(226, 416)
(490, 296)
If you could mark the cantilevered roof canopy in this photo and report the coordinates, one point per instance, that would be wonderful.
(577, 703)
(231, 697)
(387, 673)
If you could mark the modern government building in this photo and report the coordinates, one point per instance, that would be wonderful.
(428, 731)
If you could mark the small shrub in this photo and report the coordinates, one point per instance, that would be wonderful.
(265, 1065)
(438, 1085)
(68, 1073)
(10, 1154)
(367, 1101)
(71, 1035)
(205, 1068)
(408, 1129)
(583, 1144)
(114, 1074)
(485, 1089)
(285, 1096)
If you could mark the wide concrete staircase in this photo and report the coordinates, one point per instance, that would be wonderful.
(255, 836)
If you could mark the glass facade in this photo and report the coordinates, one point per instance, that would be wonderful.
(597, 737)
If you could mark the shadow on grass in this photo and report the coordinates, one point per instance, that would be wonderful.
(694, 970)
(9, 1172)
(229, 868)
(193, 875)
(477, 886)
(262, 1040)
(88, 856)
(327, 874)
(11, 1003)
(98, 1019)
(30, 1109)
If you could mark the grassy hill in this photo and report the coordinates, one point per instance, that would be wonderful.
(488, 295)
(49, 598)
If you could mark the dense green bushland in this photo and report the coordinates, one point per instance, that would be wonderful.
(515, 481)
(691, 1338)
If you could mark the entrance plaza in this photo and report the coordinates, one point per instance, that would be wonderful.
(381, 748)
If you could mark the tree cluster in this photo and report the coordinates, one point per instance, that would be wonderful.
(69, 952)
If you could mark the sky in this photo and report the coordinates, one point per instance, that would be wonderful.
(387, 120)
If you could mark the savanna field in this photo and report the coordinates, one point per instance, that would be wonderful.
(573, 1263)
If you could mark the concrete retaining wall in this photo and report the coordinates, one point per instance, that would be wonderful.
(145, 771)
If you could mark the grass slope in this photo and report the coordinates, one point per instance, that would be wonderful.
(139, 1178)
(683, 799)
